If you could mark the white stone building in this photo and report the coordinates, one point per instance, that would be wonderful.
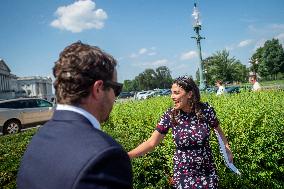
(36, 86)
(8, 81)
(12, 86)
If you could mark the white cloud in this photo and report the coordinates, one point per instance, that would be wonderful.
(152, 53)
(79, 16)
(245, 43)
(143, 51)
(133, 55)
(266, 29)
(259, 43)
(188, 55)
(280, 36)
(252, 28)
(161, 62)
(230, 47)
(120, 58)
(156, 63)
(277, 26)
(239, 45)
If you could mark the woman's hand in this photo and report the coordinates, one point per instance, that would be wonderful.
(146, 146)
(228, 150)
(230, 155)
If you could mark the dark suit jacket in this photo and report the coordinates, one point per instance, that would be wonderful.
(68, 152)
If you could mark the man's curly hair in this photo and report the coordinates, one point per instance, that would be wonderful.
(78, 67)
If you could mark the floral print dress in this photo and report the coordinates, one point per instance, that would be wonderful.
(193, 161)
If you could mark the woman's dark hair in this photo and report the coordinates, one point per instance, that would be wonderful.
(188, 85)
(78, 67)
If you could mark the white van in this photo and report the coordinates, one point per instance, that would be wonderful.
(16, 114)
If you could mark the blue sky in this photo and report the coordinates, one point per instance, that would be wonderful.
(140, 34)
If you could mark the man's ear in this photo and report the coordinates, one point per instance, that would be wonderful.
(97, 89)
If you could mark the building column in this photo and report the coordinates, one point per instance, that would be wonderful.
(5, 87)
(1, 83)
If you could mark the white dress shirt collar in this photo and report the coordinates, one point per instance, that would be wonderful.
(81, 111)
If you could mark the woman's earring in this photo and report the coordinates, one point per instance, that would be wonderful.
(190, 101)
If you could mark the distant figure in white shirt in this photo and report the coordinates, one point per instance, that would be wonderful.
(256, 86)
(221, 89)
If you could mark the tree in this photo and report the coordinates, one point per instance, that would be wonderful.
(240, 73)
(271, 59)
(130, 85)
(220, 66)
(163, 77)
(150, 79)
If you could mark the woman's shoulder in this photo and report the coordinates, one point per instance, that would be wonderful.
(206, 106)
(169, 111)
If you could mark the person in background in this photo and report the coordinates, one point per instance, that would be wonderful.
(71, 150)
(190, 121)
(256, 86)
(221, 89)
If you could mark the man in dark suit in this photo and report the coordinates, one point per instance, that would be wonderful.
(70, 150)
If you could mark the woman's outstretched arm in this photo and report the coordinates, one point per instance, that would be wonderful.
(146, 146)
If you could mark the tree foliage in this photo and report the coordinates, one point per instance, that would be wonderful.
(163, 77)
(220, 66)
(270, 59)
(150, 79)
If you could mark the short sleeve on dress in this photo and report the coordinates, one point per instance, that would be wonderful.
(164, 124)
(211, 116)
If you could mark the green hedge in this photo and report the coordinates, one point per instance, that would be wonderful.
(12, 148)
(252, 122)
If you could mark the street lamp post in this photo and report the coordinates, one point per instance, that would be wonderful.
(197, 28)
(254, 64)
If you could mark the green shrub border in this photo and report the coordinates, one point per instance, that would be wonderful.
(253, 123)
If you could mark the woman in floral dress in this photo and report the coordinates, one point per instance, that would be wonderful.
(190, 122)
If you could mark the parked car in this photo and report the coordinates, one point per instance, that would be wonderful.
(165, 92)
(233, 89)
(140, 95)
(144, 95)
(17, 114)
(211, 90)
(125, 95)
